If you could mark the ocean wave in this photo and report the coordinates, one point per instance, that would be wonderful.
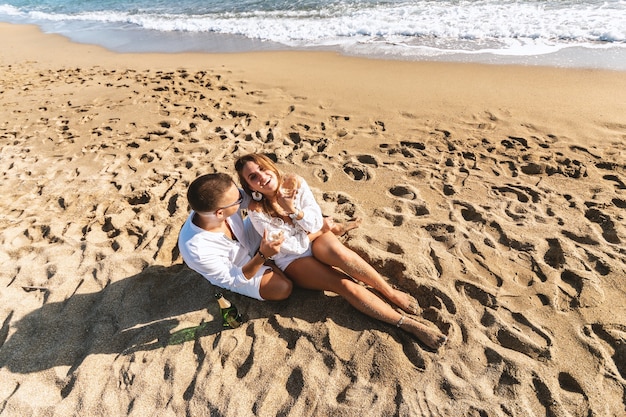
(427, 19)
(513, 27)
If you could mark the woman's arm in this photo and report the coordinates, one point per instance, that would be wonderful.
(326, 227)
(306, 212)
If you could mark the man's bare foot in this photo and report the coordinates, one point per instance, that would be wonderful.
(340, 229)
(432, 338)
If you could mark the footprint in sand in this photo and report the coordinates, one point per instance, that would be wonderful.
(609, 232)
(494, 229)
(477, 247)
(340, 204)
(516, 143)
(610, 166)
(393, 150)
(619, 203)
(554, 256)
(573, 397)
(406, 192)
(610, 341)
(409, 199)
(437, 306)
(322, 174)
(599, 265)
(504, 327)
(564, 397)
(522, 194)
(576, 291)
(406, 205)
(396, 219)
(388, 246)
(357, 171)
(442, 232)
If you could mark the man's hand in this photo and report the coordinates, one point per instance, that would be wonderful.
(269, 248)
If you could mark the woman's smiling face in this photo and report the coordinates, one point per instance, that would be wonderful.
(259, 179)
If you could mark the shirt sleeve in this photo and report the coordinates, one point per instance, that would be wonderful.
(216, 266)
(313, 219)
(215, 257)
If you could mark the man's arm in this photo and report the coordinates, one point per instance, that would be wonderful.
(266, 251)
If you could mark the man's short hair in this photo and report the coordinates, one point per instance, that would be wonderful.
(205, 192)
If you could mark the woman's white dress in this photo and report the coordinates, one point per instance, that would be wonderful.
(297, 243)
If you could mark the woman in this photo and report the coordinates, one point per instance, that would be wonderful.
(310, 263)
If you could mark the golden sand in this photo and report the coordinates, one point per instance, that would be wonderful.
(494, 194)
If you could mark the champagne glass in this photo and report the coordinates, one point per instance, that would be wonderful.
(275, 229)
(288, 186)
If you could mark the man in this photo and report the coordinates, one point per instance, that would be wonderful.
(219, 244)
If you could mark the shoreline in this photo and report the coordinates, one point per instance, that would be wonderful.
(473, 77)
(118, 39)
(494, 194)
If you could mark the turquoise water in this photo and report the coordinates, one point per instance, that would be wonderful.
(559, 32)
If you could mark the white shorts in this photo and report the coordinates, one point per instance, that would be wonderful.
(248, 287)
(283, 260)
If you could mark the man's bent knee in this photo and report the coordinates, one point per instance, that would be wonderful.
(277, 287)
(286, 286)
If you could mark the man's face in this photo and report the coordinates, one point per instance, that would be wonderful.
(230, 201)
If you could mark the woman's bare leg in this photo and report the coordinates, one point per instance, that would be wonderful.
(329, 250)
(311, 274)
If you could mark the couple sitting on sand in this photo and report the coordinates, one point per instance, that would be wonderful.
(287, 227)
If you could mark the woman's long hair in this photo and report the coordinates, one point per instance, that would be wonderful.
(265, 163)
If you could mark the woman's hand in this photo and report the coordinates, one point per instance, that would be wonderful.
(286, 205)
(328, 225)
(287, 192)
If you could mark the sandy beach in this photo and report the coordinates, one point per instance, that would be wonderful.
(494, 194)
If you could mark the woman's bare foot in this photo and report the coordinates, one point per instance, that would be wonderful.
(432, 338)
(406, 302)
(340, 229)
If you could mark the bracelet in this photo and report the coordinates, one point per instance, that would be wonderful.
(261, 255)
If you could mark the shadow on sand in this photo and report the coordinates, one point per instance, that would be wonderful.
(139, 313)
